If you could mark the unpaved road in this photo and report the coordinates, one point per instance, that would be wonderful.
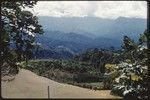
(29, 85)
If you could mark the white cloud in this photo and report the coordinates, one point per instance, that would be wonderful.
(104, 9)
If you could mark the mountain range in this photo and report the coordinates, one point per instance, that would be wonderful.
(74, 35)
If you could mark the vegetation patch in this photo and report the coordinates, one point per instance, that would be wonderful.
(72, 72)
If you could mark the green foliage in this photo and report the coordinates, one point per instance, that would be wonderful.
(67, 71)
(135, 51)
(128, 44)
(131, 81)
(19, 28)
(98, 58)
(66, 65)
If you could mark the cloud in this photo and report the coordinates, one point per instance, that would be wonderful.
(92, 8)
(103, 9)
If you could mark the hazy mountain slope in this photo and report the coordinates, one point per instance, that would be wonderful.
(94, 26)
(76, 34)
(57, 44)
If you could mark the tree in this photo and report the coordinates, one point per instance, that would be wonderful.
(128, 44)
(19, 28)
(133, 75)
(132, 50)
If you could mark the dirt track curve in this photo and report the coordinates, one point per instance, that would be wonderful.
(29, 85)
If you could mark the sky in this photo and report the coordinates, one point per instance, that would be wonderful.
(102, 9)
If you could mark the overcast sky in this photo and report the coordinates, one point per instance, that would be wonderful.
(103, 9)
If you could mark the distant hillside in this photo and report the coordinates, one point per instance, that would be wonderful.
(76, 34)
(57, 44)
(95, 26)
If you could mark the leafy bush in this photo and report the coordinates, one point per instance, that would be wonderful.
(131, 83)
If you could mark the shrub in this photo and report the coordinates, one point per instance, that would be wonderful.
(130, 80)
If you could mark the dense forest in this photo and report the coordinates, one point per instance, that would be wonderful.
(124, 71)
